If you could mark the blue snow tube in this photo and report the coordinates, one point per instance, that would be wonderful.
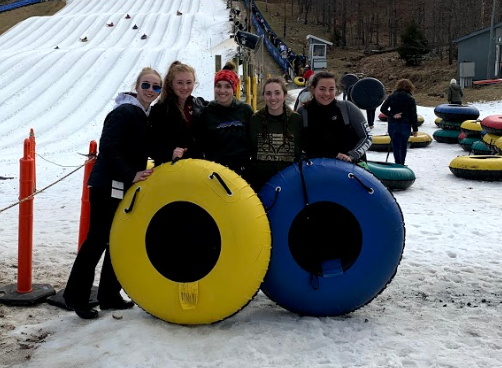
(338, 237)
(453, 112)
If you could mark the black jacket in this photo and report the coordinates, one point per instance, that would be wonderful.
(339, 127)
(123, 146)
(402, 102)
(223, 132)
(169, 130)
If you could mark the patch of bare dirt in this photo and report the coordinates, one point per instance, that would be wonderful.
(10, 18)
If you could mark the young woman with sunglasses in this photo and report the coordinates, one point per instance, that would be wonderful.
(333, 129)
(223, 125)
(275, 134)
(171, 117)
(122, 159)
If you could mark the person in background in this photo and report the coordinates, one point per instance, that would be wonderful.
(122, 159)
(304, 94)
(173, 136)
(370, 117)
(333, 129)
(455, 93)
(307, 72)
(223, 125)
(275, 134)
(401, 111)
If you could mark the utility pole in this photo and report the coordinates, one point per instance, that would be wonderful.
(490, 67)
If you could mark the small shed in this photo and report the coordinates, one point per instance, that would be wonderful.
(480, 57)
(317, 56)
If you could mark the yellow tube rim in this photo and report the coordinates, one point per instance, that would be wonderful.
(240, 220)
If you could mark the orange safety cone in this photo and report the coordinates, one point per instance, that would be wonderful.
(25, 292)
(85, 209)
(32, 154)
(85, 206)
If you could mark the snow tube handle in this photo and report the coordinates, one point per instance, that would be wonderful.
(370, 190)
(225, 186)
(129, 209)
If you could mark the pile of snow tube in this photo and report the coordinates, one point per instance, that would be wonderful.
(191, 245)
(451, 118)
(333, 250)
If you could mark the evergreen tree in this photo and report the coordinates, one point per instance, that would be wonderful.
(413, 45)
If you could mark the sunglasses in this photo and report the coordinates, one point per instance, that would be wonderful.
(156, 88)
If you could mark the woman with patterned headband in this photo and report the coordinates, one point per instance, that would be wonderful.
(223, 125)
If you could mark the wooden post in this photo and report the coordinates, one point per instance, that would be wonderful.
(248, 90)
(217, 63)
(255, 92)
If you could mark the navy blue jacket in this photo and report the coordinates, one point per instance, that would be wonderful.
(402, 102)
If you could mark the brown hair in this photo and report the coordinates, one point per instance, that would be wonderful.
(230, 65)
(321, 75)
(404, 84)
(167, 94)
(278, 80)
(314, 80)
(285, 126)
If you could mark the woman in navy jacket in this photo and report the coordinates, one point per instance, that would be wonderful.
(122, 160)
(401, 111)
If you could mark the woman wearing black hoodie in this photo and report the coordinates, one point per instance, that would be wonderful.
(122, 159)
(401, 111)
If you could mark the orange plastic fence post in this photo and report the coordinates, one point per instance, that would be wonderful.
(32, 154)
(85, 207)
(25, 235)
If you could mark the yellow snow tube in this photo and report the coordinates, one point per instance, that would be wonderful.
(471, 128)
(299, 81)
(191, 244)
(489, 140)
(477, 167)
(421, 140)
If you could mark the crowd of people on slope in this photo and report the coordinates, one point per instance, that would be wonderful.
(162, 119)
(296, 61)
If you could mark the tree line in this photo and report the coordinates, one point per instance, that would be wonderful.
(379, 24)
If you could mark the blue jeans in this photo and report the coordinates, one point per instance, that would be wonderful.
(399, 133)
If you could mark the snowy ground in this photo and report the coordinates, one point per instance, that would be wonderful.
(442, 309)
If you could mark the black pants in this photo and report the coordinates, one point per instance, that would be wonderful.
(78, 288)
(370, 116)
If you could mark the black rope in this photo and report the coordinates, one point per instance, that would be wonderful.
(304, 186)
(388, 150)
(227, 189)
(127, 210)
(277, 190)
(369, 189)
